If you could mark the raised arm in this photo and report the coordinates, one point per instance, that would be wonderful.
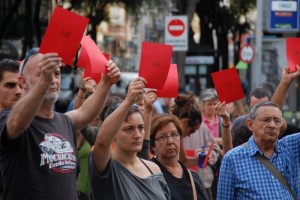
(112, 124)
(87, 85)
(287, 78)
(39, 74)
(221, 110)
(280, 93)
(93, 105)
(149, 99)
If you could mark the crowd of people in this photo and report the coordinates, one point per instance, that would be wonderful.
(110, 146)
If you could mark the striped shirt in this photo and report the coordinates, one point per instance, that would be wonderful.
(243, 176)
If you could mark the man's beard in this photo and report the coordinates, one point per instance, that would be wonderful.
(51, 96)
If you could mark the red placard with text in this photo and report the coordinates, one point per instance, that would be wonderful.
(293, 53)
(170, 88)
(63, 34)
(228, 85)
(155, 63)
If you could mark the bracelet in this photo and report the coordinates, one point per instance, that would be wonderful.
(80, 97)
(225, 126)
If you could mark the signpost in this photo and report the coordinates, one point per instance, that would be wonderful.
(176, 32)
(283, 16)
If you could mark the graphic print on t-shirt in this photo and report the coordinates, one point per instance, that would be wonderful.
(58, 153)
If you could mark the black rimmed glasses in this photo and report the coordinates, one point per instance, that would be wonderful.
(28, 55)
(164, 138)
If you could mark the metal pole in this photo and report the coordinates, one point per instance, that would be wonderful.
(256, 76)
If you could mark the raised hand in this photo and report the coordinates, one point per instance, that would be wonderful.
(113, 73)
(149, 98)
(288, 76)
(135, 89)
(89, 84)
(221, 110)
(49, 65)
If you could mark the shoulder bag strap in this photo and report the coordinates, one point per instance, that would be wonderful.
(193, 185)
(275, 173)
(273, 170)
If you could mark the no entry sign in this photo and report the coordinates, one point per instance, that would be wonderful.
(176, 27)
(176, 32)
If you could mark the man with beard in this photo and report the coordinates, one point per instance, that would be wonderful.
(37, 144)
(245, 171)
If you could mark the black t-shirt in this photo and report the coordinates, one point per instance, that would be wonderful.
(181, 188)
(290, 129)
(41, 162)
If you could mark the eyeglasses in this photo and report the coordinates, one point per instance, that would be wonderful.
(267, 121)
(164, 138)
(28, 55)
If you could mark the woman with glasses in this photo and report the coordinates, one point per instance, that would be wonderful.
(196, 137)
(166, 131)
(120, 174)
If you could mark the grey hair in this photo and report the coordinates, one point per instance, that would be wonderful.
(253, 110)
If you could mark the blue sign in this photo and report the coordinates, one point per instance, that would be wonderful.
(283, 16)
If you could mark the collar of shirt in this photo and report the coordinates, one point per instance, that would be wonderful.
(253, 148)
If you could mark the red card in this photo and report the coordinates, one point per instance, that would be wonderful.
(191, 153)
(155, 63)
(84, 61)
(63, 34)
(170, 88)
(83, 58)
(293, 53)
(96, 58)
(228, 85)
(106, 55)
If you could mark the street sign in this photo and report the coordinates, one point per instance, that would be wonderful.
(176, 32)
(283, 16)
(176, 27)
(246, 53)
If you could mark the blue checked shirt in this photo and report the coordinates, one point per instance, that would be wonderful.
(243, 176)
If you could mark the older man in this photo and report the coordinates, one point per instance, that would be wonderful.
(244, 176)
(37, 145)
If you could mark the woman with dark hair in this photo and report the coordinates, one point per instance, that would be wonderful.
(166, 131)
(120, 174)
(196, 136)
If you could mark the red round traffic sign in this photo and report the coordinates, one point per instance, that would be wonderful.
(176, 27)
(246, 53)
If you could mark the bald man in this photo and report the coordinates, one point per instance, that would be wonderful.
(37, 144)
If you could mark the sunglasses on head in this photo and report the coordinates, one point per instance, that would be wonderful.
(28, 55)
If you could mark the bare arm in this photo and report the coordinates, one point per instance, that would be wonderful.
(221, 110)
(150, 98)
(49, 65)
(93, 105)
(112, 124)
(280, 93)
(287, 78)
(87, 85)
